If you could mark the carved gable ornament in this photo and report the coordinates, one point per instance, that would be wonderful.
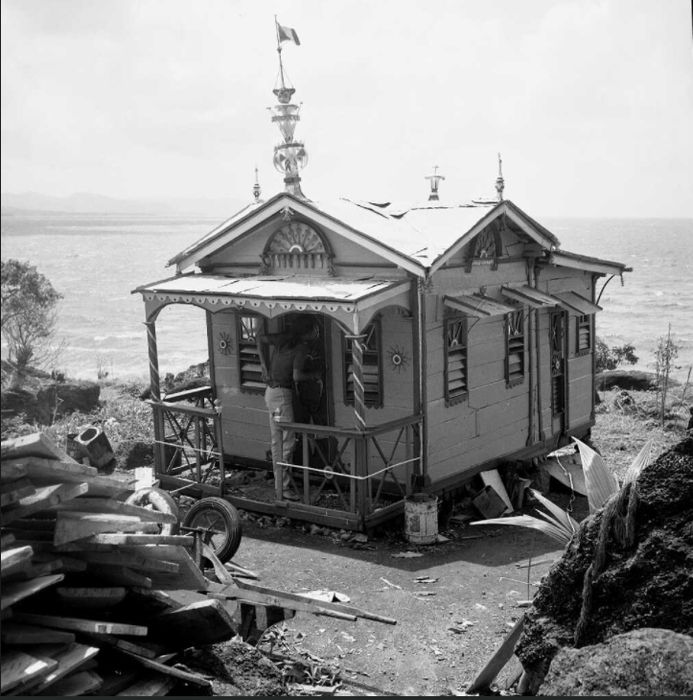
(297, 246)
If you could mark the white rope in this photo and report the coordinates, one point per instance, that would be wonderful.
(187, 448)
(330, 473)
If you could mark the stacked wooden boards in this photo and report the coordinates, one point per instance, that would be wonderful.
(83, 578)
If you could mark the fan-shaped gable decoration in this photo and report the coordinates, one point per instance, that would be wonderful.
(298, 246)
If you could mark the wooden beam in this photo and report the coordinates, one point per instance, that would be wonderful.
(82, 625)
(20, 668)
(110, 505)
(75, 525)
(15, 490)
(13, 560)
(169, 670)
(155, 684)
(82, 683)
(42, 499)
(34, 445)
(14, 592)
(68, 660)
(18, 634)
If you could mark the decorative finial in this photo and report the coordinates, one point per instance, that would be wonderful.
(435, 180)
(500, 182)
(256, 187)
(289, 156)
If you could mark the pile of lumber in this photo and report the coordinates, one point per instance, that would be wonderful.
(84, 581)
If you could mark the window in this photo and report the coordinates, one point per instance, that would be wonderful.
(514, 348)
(583, 334)
(372, 374)
(456, 378)
(249, 367)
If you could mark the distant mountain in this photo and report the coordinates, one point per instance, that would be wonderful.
(88, 203)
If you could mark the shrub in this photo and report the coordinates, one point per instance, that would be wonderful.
(611, 357)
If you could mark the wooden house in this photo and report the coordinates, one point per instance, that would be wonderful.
(453, 338)
(469, 329)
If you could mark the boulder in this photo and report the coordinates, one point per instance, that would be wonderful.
(644, 582)
(633, 380)
(647, 661)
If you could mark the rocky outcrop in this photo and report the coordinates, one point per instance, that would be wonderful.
(632, 380)
(51, 400)
(644, 662)
(642, 580)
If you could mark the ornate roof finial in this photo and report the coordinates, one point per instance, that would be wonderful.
(289, 156)
(435, 179)
(256, 188)
(500, 182)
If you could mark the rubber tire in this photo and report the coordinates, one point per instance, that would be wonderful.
(160, 501)
(214, 510)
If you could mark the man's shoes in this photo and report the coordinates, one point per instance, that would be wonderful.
(290, 496)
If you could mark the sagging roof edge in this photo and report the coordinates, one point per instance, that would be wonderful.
(565, 258)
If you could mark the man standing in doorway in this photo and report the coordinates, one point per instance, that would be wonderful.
(285, 368)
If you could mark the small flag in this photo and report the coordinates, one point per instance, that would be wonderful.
(287, 34)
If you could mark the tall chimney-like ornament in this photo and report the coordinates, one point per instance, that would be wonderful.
(290, 156)
(500, 182)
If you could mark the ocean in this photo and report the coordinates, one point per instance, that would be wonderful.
(96, 261)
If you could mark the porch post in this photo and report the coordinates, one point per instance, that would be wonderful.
(360, 443)
(359, 391)
(155, 390)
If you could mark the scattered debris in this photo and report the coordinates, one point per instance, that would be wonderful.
(425, 579)
(392, 585)
(407, 555)
(327, 596)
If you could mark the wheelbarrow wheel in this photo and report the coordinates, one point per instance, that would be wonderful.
(158, 500)
(221, 524)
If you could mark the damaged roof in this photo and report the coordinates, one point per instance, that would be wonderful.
(420, 239)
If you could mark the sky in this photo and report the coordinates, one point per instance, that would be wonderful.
(590, 102)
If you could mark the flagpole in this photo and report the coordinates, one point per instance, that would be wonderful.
(279, 51)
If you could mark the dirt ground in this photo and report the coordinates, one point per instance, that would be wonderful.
(447, 628)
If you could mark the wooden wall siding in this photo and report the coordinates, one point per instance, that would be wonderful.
(249, 248)
(513, 243)
(457, 281)
(580, 390)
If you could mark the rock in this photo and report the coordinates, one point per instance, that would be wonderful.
(633, 380)
(51, 399)
(647, 661)
(131, 454)
(646, 585)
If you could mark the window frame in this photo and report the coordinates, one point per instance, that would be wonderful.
(583, 322)
(513, 341)
(348, 394)
(243, 345)
(462, 321)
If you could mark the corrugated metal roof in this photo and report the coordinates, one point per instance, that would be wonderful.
(272, 287)
(477, 306)
(577, 304)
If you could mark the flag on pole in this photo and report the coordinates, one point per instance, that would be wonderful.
(287, 34)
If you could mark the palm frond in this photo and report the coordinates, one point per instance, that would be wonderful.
(639, 463)
(562, 517)
(559, 534)
(600, 483)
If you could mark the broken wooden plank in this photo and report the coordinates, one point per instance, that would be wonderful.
(75, 525)
(495, 664)
(51, 471)
(337, 607)
(118, 540)
(42, 499)
(90, 596)
(13, 560)
(80, 683)
(131, 560)
(35, 445)
(17, 668)
(169, 670)
(68, 660)
(79, 624)
(277, 600)
(88, 504)
(9, 472)
(144, 647)
(19, 634)
(153, 685)
(12, 492)
(14, 592)
(197, 624)
(63, 563)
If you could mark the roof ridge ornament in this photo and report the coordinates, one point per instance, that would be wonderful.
(500, 182)
(290, 156)
(434, 181)
(256, 188)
